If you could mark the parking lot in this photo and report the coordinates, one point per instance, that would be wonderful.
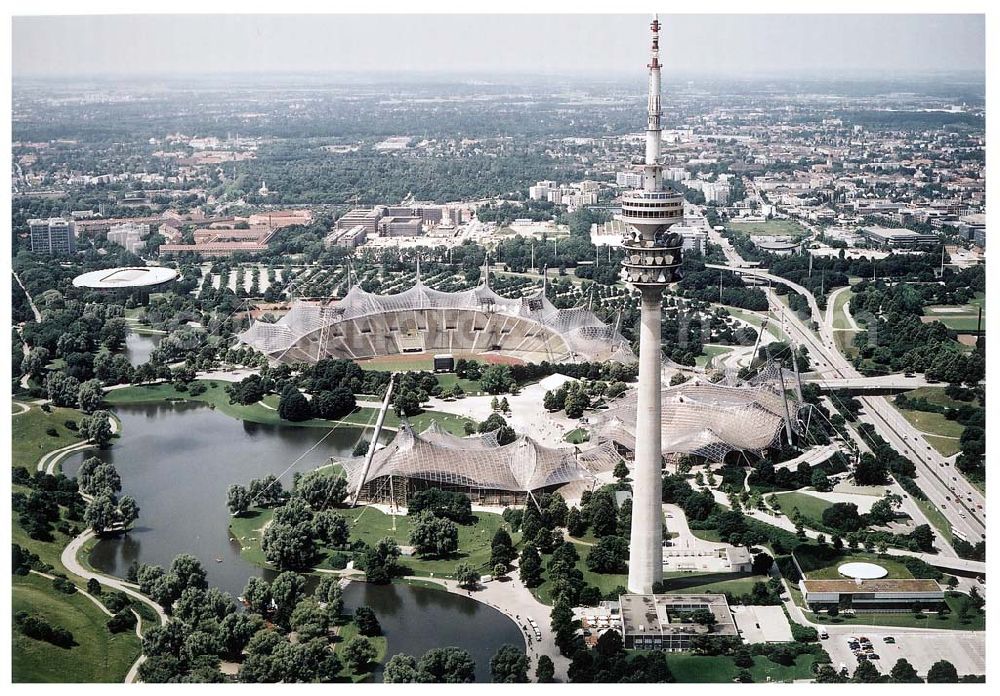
(964, 649)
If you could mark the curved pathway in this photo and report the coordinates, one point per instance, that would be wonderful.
(48, 461)
(72, 564)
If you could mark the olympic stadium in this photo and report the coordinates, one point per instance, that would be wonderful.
(479, 467)
(471, 323)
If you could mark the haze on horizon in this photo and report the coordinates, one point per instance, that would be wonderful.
(722, 45)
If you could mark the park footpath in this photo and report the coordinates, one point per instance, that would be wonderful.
(510, 596)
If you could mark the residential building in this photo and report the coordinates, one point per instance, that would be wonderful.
(55, 236)
(129, 235)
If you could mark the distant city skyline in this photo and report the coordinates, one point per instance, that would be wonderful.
(879, 46)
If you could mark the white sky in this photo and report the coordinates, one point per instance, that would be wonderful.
(877, 45)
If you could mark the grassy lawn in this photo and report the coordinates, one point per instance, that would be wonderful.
(98, 656)
(469, 386)
(936, 395)
(401, 363)
(699, 669)
(935, 517)
(256, 413)
(843, 341)
(949, 621)
(770, 228)
(817, 567)
(247, 530)
(577, 436)
(348, 631)
(809, 506)
(945, 445)
(370, 524)
(839, 317)
(932, 423)
(710, 353)
(733, 583)
(29, 439)
(962, 323)
(605, 582)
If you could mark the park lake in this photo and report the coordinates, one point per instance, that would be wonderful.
(178, 459)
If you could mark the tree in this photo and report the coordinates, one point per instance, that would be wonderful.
(400, 669)
(186, 571)
(923, 536)
(545, 670)
(334, 404)
(90, 395)
(497, 379)
(257, 595)
(509, 665)
(62, 389)
(101, 513)
(502, 549)
(238, 499)
(380, 561)
(320, 490)
(128, 512)
(286, 591)
(446, 666)
(97, 428)
(866, 673)
(576, 523)
(466, 575)
(367, 622)
(844, 517)
(358, 652)
(434, 536)
(621, 471)
(903, 672)
(328, 592)
(608, 555)
(293, 405)
(530, 566)
(34, 362)
(942, 672)
(97, 476)
(762, 563)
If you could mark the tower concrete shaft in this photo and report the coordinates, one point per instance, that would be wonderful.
(652, 257)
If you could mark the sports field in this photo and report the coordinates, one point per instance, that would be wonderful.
(770, 228)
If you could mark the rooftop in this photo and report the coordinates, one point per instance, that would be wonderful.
(125, 277)
(660, 614)
(879, 585)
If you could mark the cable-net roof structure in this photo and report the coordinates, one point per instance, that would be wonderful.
(711, 419)
(477, 464)
(367, 325)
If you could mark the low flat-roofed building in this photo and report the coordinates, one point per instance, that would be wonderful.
(739, 559)
(899, 238)
(213, 249)
(878, 595)
(664, 621)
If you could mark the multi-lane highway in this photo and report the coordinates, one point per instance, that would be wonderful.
(962, 504)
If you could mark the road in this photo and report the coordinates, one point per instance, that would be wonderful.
(960, 502)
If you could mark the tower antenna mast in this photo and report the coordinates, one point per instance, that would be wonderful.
(652, 257)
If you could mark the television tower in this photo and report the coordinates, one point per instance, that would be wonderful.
(652, 257)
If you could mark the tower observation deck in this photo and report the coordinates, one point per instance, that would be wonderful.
(652, 257)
